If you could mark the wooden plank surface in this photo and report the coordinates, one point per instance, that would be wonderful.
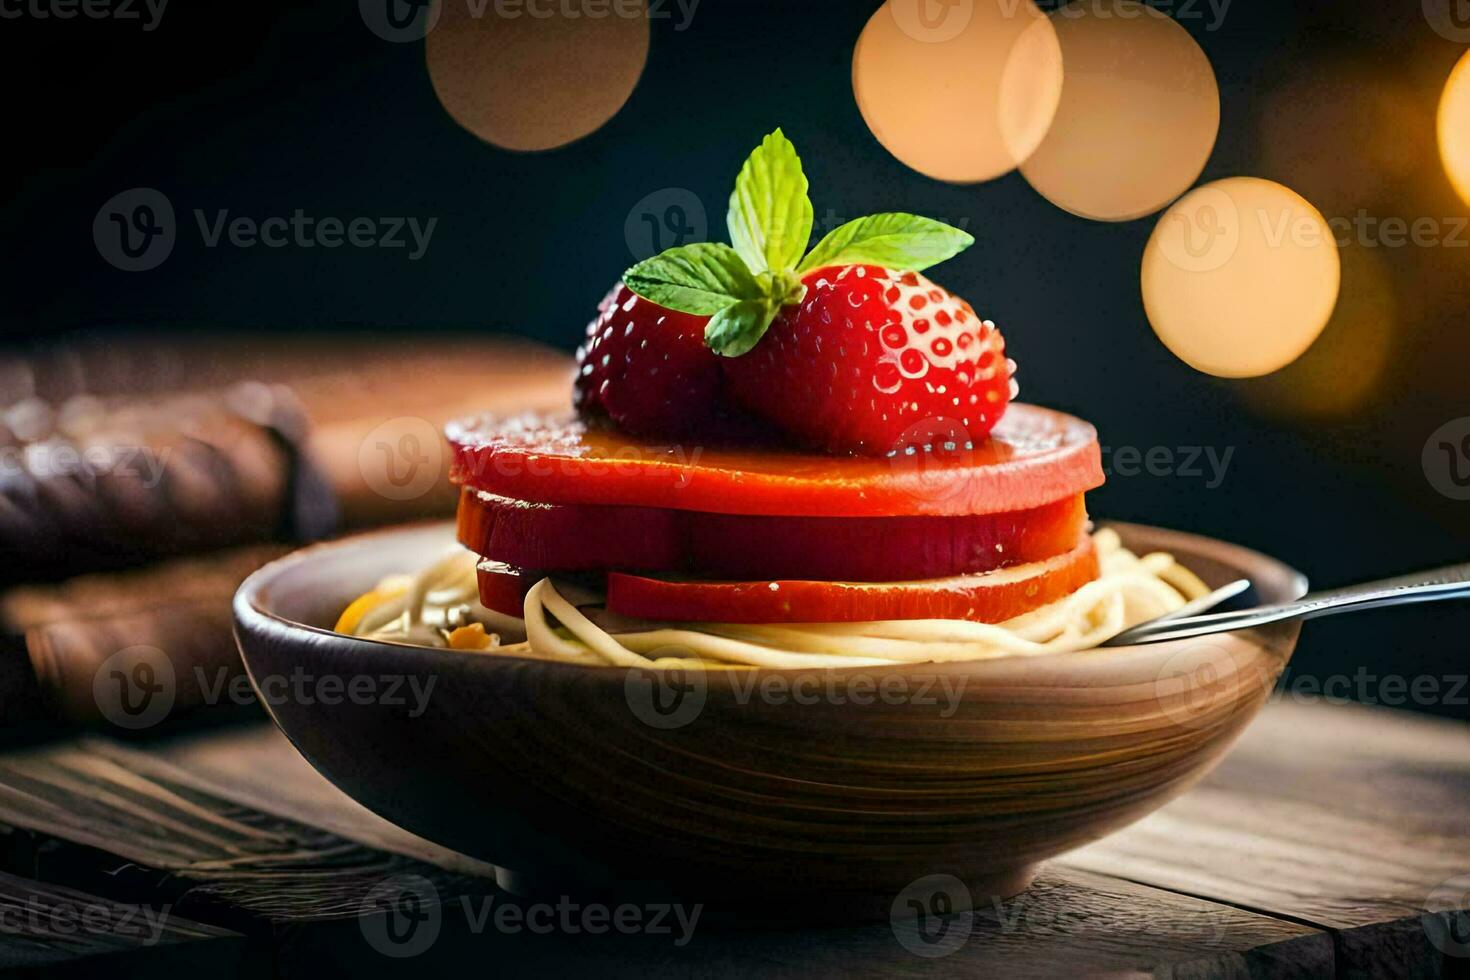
(1310, 852)
(117, 821)
(1349, 818)
(44, 927)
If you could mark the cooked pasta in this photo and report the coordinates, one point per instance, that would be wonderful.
(440, 607)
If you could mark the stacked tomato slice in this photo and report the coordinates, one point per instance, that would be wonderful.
(686, 532)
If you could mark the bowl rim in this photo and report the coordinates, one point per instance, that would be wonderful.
(250, 613)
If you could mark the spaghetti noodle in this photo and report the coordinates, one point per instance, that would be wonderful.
(440, 607)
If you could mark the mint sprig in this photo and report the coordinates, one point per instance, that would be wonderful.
(702, 279)
(895, 240)
(743, 288)
(770, 216)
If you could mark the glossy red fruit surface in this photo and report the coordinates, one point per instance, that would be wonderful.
(503, 587)
(990, 597)
(872, 360)
(647, 368)
(1033, 457)
(569, 537)
(590, 537)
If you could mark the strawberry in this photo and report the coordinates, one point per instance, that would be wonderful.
(873, 361)
(647, 368)
(844, 347)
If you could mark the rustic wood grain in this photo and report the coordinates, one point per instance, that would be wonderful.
(236, 830)
(1069, 924)
(45, 928)
(132, 830)
(256, 767)
(1075, 918)
(300, 889)
(1342, 817)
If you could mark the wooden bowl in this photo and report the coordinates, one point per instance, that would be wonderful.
(819, 793)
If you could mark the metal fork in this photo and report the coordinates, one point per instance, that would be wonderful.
(1452, 582)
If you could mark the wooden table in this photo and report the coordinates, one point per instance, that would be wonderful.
(1334, 841)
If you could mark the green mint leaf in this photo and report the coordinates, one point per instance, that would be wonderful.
(703, 279)
(905, 242)
(738, 327)
(770, 215)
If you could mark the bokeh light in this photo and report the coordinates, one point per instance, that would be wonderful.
(1138, 116)
(1240, 276)
(1344, 370)
(1344, 133)
(1454, 127)
(535, 82)
(965, 96)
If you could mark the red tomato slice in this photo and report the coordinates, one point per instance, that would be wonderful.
(990, 597)
(503, 587)
(1034, 457)
(589, 537)
(570, 537)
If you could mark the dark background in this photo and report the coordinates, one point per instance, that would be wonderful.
(263, 109)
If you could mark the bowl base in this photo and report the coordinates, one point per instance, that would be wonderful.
(718, 908)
